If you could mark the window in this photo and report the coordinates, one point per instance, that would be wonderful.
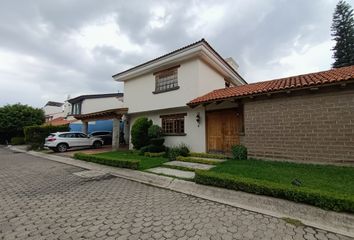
(81, 135)
(166, 80)
(173, 124)
(76, 108)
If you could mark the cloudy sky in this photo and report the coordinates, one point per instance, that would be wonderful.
(52, 49)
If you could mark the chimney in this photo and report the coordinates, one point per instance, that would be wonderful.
(232, 63)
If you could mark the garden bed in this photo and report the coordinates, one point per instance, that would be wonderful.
(328, 187)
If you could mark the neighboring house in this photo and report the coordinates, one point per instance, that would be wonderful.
(159, 89)
(53, 110)
(306, 118)
(88, 110)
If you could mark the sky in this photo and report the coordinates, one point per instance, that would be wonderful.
(52, 50)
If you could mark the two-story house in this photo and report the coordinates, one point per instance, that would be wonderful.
(159, 89)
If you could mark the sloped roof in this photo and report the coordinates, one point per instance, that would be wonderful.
(92, 96)
(202, 41)
(58, 121)
(54, 104)
(324, 78)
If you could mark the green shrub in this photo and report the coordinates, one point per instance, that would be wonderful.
(157, 141)
(208, 155)
(17, 141)
(155, 131)
(139, 133)
(132, 164)
(152, 149)
(239, 152)
(150, 154)
(298, 194)
(180, 150)
(35, 135)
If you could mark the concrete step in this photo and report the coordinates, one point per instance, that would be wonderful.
(191, 165)
(172, 172)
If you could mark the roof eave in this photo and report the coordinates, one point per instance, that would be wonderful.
(201, 49)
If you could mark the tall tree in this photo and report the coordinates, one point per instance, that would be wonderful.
(14, 117)
(343, 34)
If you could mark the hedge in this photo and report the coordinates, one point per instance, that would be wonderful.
(198, 160)
(153, 154)
(208, 155)
(35, 135)
(17, 140)
(317, 198)
(132, 164)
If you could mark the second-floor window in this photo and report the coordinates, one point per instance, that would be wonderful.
(166, 80)
(76, 108)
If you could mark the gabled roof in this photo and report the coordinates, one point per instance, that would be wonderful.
(203, 42)
(54, 104)
(106, 95)
(311, 80)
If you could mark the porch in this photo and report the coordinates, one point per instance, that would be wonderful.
(120, 131)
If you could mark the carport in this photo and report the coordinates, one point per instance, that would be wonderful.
(117, 115)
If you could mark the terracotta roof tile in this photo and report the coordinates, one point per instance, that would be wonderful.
(295, 82)
(58, 121)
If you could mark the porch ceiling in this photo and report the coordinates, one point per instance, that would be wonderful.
(106, 114)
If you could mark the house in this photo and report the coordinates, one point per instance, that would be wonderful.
(53, 110)
(86, 108)
(159, 89)
(198, 98)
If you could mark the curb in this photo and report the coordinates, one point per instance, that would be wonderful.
(341, 223)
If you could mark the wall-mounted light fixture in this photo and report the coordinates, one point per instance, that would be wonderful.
(197, 118)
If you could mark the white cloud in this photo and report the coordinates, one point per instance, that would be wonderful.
(104, 32)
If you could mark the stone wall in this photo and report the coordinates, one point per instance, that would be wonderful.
(312, 127)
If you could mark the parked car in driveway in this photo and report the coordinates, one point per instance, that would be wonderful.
(106, 136)
(62, 141)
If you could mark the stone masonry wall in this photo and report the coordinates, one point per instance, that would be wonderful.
(314, 127)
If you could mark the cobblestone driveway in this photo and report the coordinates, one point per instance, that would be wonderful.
(40, 199)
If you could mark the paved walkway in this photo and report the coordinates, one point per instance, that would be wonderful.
(42, 199)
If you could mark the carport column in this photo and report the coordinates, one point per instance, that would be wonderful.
(115, 133)
(84, 127)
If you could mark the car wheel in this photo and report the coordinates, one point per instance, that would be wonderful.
(97, 144)
(62, 147)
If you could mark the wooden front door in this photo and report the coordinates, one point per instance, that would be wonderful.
(222, 130)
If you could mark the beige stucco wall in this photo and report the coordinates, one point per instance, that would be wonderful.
(100, 104)
(195, 136)
(52, 110)
(208, 79)
(195, 78)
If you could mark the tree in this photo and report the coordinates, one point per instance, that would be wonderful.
(343, 34)
(13, 118)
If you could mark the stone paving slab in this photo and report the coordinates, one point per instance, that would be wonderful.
(172, 172)
(190, 165)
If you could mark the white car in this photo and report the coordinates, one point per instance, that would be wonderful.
(62, 141)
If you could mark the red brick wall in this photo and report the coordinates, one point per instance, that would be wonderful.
(311, 127)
